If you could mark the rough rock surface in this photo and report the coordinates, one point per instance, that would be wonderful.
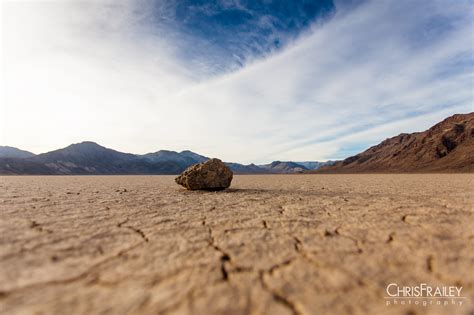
(210, 175)
(271, 244)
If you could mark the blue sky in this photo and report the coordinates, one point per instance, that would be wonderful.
(224, 35)
(246, 81)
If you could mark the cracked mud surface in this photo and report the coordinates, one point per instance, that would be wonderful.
(291, 244)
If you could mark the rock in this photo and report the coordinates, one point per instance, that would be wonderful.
(210, 175)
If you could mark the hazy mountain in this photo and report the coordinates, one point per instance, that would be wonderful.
(187, 158)
(196, 157)
(22, 166)
(246, 169)
(11, 152)
(284, 167)
(167, 156)
(89, 158)
(313, 165)
(446, 147)
(289, 167)
(86, 158)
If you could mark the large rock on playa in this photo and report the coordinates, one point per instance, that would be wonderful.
(210, 175)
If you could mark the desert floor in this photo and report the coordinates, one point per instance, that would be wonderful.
(290, 244)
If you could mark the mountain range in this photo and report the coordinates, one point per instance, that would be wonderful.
(446, 147)
(89, 158)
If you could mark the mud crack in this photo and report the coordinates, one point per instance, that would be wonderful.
(224, 257)
(38, 227)
(134, 229)
(355, 240)
(277, 296)
(81, 276)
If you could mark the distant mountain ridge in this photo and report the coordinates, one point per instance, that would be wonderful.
(289, 167)
(448, 146)
(11, 152)
(313, 165)
(89, 158)
(285, 167)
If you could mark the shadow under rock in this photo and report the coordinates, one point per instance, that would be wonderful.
(246, 190)
(229, 191)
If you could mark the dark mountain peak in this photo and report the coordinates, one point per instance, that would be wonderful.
(199, 158)
(185, 158)
(88, 143)
(162, 153)
(275, 163)
(86, 149)
(85, 145)
(12, 152)
(166, 152)
(286, 164)
(246, 169)
(85, 158)
(313, 165)
(284, 167)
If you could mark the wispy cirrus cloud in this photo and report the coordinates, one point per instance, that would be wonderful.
(224, 35)
(142, 82)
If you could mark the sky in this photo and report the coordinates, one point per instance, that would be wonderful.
(243, 80)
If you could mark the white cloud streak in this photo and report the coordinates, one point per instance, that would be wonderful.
(383, 68)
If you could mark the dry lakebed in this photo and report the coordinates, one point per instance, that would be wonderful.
(271, 244)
